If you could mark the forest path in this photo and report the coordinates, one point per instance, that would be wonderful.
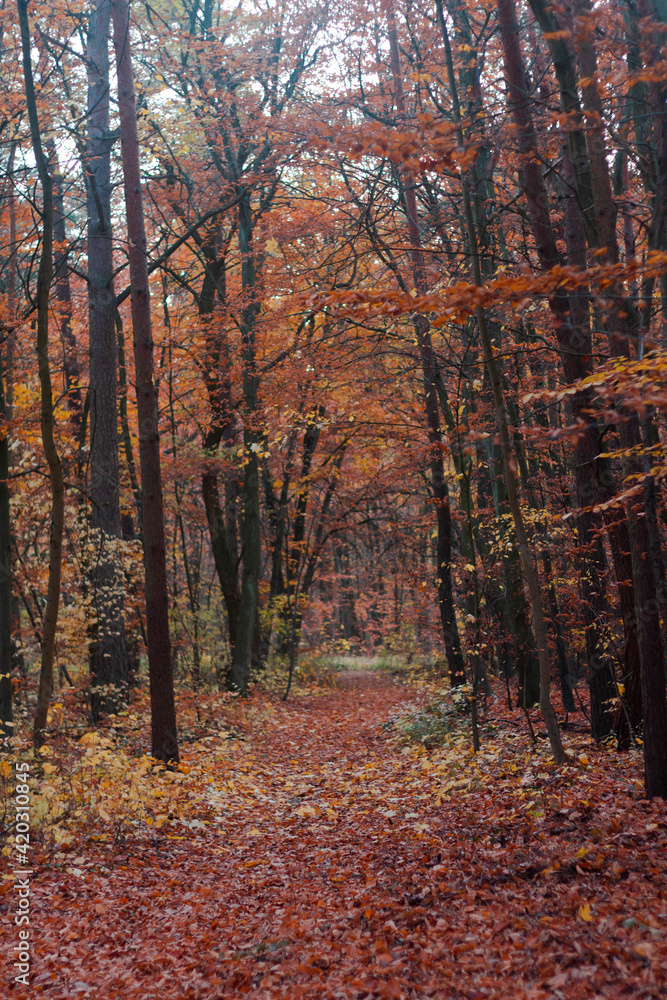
(328, 871)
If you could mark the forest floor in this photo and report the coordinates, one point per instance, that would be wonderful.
(333, 859)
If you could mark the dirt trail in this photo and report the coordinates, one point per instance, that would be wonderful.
(330, 872)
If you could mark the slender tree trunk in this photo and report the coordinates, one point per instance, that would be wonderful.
(64, 293)
(224, 564)
(297, 555)
(430, 376)
(251, 531)
(6, 718)
(7, 629)
(530, 572)
(221, 521)
(163, 713)
(509, 462)
(649, 104)
(18, 661)
(107, 651)
(44, 278)
(647, 606)
(125, 434)
(574, 341)
(491, 245)
(277, 507)
(598, 214)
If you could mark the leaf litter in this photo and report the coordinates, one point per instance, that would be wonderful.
(308, 850)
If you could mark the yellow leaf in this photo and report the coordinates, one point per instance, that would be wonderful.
(585, 913)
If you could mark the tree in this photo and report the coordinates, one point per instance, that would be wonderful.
(574, 340)
(432, 380)
(408, 330)
(6, 713)
(44, 278)
(163, 713)
(107, 646)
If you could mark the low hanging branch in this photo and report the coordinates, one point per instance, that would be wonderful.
(44, 277)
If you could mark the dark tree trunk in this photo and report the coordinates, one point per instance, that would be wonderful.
(647, 606)
(44, 278)
(509, 464)
(126, 437)
(163, 713)
(277, 507)
(221, 520)
(430, 376)
(598, 213)
(225, 565)
(483, 200)
(107, 651)
(9, 619)
(574, 341)
(251, 530)
(6, 718)
(64, 294)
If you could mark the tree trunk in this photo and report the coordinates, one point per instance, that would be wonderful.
(224, 564)
(163, 712)
(44, 277)
(430, 377)
(530, 572)
(107, 653)
(598, 213)
(574, 341)
(8, 618)
(222, 429)
(251, 531)
(647, 606)
(64, 293)
(6, 718)
(509, 462)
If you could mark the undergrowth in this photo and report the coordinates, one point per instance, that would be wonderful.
(431, 724)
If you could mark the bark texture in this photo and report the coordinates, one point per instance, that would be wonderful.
(107, 652)
(163, 712)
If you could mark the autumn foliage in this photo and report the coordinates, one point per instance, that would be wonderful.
(338, 331)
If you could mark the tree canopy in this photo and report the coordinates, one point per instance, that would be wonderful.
(395, 279)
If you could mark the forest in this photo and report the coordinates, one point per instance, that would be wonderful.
(333, 498)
